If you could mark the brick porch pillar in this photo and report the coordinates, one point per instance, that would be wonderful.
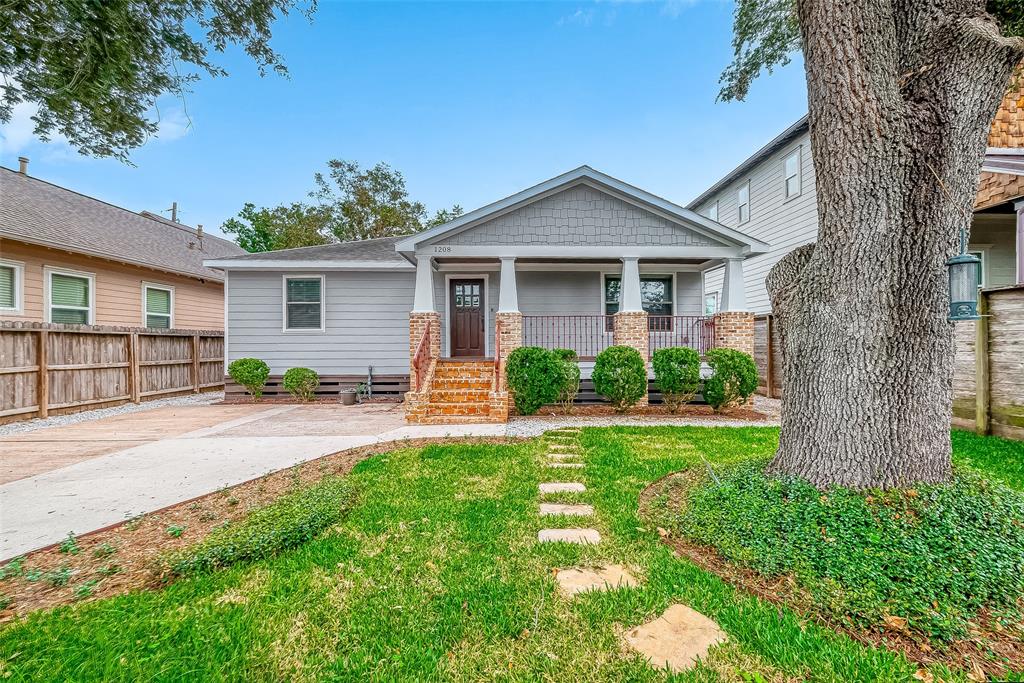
(630, 329)
(735, 330)
(417, 326)
(510, 332)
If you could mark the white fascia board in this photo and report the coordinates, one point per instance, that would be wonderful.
(323, 264)
(580, 252)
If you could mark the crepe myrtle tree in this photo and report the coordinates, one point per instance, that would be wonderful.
(901, 95)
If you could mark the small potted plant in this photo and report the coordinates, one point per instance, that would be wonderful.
(361, 392)
(348, 396)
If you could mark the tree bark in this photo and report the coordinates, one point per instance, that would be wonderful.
(901, 95)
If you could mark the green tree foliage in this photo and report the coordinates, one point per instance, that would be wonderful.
(677, 374)
(766, 33)
(620, 375)
(282, 227)
(734, 379)
(96, 69)
(534, 376)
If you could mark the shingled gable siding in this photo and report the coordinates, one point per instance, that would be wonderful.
(580, 215)
(367, 323)
(197, 305)
(783, 224)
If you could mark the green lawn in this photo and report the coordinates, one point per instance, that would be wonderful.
(435, 573)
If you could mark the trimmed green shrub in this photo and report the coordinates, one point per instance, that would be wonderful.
(620, 375)
(934, 556)
(570, 385)
(288, 522)
(301, 383)
(734, 381)
(534, 376)
(677, 374)
(251, 373)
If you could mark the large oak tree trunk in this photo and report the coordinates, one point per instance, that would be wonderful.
(901, 95)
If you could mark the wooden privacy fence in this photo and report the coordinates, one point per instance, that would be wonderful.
(50, 367)
(988, 381)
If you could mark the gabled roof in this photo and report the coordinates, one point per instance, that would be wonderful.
(779, 141)
(38, 212)
(373, 253)
(581, 175)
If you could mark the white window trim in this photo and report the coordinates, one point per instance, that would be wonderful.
(739, 219)
(49, 271)
(448, 309)
(799, 174)
(146, 314)
(19, 287)
(983, 250)
(713, 205)
(618, 275)
(284, 303)
(704, 303)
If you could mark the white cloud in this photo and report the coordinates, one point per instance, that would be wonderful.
(17, 134)
(174, 123)
(580, 17)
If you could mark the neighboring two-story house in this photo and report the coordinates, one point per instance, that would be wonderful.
(69, 258)
(771, 196)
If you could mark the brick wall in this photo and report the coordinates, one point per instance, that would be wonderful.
(735, 330)
(417, 326)
(630, 329)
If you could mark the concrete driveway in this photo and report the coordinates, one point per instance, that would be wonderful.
(86, 476)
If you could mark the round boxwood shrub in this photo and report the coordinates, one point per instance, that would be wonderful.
(734, 381)
(570, 385)
(251, 373)
(620, 375)
(677, 374)
(301, 383)
(534, 376)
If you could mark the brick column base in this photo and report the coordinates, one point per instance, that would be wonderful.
(417, 326)
(735, 330)
(510, 336)
(630, 329)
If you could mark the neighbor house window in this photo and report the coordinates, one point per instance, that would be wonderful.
(743, 203)
(71, 297)
(981, 266)
(792, 172)
(11, 278)
(304, 303)
(711, 303)
(713, 212)
(159, 302)
(655, 295)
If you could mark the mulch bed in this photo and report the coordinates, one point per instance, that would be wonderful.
(140, 543)
(973, 655)
(688, 411)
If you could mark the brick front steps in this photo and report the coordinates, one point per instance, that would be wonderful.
(459, 392)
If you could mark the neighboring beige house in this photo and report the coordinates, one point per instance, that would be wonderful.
(69, 258)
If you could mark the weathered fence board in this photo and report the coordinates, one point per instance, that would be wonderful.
(49, 367)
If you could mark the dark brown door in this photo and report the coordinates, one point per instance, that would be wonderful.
(467, 317)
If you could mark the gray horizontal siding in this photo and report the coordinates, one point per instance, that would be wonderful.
(367, 323)
(784, 224)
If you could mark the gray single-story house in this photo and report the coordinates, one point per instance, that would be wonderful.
(580, 261)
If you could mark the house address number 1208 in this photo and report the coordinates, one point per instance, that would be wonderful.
(442, 250)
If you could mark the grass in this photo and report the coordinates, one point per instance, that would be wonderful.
(435, 573)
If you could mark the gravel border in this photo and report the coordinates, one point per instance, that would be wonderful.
(202, 399)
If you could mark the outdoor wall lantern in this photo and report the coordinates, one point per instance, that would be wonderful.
(963, 283)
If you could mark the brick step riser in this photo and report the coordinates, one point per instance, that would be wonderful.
(464, 376)
(459, 409)
(459, 396)
(460, 386)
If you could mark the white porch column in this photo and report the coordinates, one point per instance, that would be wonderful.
(508, 297)
(734, 297)
(423, 302)
(629, 288)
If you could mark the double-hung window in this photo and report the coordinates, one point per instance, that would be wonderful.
(71, 297)
(159, 303)
(743, 203)
(791, 171)
(655, 297)
(713, 212)
(304, 303)
(12, 275)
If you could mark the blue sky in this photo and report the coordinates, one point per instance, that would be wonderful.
(472, 101)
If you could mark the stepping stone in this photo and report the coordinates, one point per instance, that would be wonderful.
(562, 487)
(573, 581)
(675, 640)
(580, 536)
(565, 465)
(562, 456)
(571, 510)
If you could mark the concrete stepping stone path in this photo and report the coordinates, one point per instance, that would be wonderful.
(564, 509)
(573, 581)
(562, 456)
(562, 487)
(677, 639)
(566, 465)
(579, 536)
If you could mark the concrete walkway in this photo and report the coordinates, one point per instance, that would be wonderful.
(79, 480)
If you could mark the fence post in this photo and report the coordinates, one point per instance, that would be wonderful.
(195, 363)
(133, 368)
(982, 392)
(43, 387)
